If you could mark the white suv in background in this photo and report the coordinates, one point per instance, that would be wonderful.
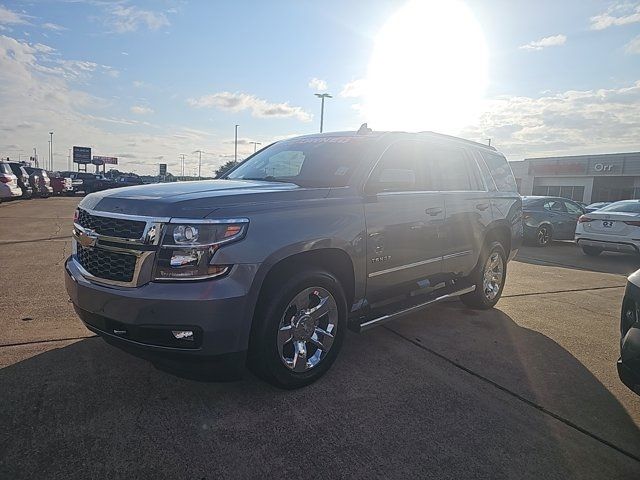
(614, 228)
(9, 187)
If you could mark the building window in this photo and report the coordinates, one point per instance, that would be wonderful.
(571, 192)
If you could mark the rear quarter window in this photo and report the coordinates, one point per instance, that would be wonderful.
(500, 171)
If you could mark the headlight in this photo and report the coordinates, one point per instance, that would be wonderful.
(187, 248)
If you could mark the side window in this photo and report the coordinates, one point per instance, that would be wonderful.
(500, 171)
(573, 208)
(453, 165)
(555, 206)
(402, 167)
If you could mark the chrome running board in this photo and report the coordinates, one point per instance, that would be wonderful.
(400, 313)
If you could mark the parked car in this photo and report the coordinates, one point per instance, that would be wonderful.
(90, 182)
(9, 188)
(549, 218)
(128, 180)
(23, 179)
(595, 206)
(629, 361)
(40, 182)
(307, 237)
(61, 184)
(614, 228)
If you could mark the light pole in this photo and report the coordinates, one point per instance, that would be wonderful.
(51, 151)
(322, 96)
(255, 146)
(235, 151)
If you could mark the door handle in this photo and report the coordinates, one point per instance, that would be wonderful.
(433, 211)
(482, 206)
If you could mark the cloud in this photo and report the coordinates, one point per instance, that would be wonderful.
(318, 85)
(616, 15)
(53, 27)
(633, 47)
(237, 102)
(141, 110)
(37, 95)
(123, 18)
(9, 17)
(552, 41)
(354, 89)
(574, 121)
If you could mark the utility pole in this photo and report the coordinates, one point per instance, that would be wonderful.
(200, 152)
(255, 146)
(489, 140)
(51, 151)
(69, 160)
(35, 157)
(322, 96)
(235, 154)
(182, 155)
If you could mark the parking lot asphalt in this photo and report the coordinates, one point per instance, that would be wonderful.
(526, 390)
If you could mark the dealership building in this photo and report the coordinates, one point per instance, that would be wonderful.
(584, 178)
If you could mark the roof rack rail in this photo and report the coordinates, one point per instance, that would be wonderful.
(464, 140)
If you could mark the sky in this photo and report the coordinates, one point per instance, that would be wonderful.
(147, 81)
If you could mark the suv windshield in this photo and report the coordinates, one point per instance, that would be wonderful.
(308, 162)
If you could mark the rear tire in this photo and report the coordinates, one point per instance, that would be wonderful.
(489, 277)
(591, 251)
(282, 325)
(544, 236)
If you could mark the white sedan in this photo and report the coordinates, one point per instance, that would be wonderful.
(614, 228)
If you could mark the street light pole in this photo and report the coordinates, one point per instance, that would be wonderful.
(255, 146)
(235, 152)
(322, 96)
(51, 151)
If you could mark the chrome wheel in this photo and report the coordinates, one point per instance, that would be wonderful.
(307, 329)
(493, 276)
(543, 236)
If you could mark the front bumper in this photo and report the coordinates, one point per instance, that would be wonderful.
(219, 310)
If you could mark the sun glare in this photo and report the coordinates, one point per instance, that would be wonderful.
(428, 70)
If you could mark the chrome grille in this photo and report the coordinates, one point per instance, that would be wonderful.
(119, 267)
(111, 227)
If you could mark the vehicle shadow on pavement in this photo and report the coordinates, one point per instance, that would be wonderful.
(387, 409)
(526, 363)
(568, 254)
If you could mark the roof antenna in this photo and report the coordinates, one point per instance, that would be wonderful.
(364, 130)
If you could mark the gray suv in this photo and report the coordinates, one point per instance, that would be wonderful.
(271, 264)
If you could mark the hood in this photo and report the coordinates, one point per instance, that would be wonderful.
(195, 199)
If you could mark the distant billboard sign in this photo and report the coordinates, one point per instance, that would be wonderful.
(163, 169)
(104, 160)
(82, 155)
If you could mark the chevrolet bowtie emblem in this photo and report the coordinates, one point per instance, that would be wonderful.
(87, 238)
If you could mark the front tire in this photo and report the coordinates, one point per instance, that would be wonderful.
(591, 251)
(300, 328)
(489, 277)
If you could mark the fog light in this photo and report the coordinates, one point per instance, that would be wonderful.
(183, 335)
